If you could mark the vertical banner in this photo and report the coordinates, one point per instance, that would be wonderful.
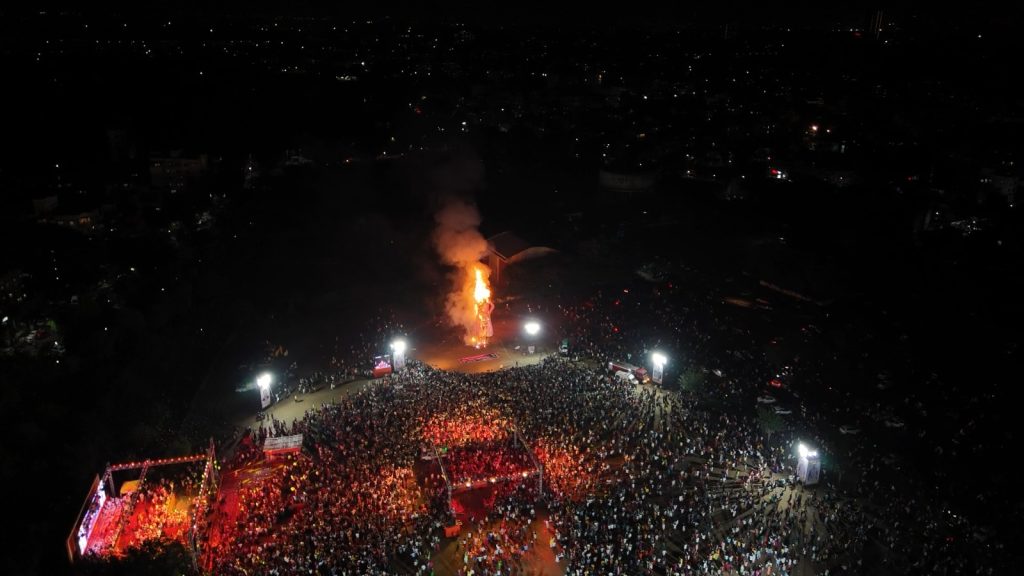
(399, 359)
(658, 372)
(264, 396)
(808, 469)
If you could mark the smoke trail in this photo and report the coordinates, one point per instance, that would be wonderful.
(461, 246)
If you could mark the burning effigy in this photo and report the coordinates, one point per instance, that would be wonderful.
(468, 304)
(484, 306)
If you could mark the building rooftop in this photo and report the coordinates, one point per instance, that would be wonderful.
(506, 245)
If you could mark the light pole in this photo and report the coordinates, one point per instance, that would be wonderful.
(808, 466)
(263, 382)
(398, 349)
(659, 361)
(532, 328)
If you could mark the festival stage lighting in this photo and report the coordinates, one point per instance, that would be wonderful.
(398, 346)
(532, 328)
(659, 359)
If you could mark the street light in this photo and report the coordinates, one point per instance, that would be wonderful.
(805, 452)
(659, 359)
(264, 380)
(398, 349)
(808, 466)
(532, 327)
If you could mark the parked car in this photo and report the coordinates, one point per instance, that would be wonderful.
(766, 399)
(893, 423)
(625, 377)
(848, 429)
(781, 410)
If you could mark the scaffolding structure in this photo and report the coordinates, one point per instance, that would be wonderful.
(104, 487)
(454, 486)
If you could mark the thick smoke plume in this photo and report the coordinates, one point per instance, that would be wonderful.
(461, 246)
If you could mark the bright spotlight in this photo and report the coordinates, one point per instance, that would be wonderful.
(532, 328)
(805, 452)
(659, 359)
(263, 381)
(808, 466)
(398, 348)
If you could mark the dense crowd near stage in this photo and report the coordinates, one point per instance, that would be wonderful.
(636, 480)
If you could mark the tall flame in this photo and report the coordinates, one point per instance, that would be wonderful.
(482, 307)
(480, 292)
(459, 243)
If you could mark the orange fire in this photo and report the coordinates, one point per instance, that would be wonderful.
(480, 292)
(482, 307)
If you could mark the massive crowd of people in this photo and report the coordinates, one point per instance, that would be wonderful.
(635, 479)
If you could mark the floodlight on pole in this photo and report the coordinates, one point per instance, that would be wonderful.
(398, 348)
(805, 452)
(808, 465)
(532, 327)
(659, 360)
(264, 380)
(263, 383)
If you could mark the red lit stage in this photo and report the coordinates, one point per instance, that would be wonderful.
(139, 502)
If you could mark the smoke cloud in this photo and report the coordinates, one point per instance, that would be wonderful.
(461, 246)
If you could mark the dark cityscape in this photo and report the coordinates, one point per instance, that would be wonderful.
(561, 290)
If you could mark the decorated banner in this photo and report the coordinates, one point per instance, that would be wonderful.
(264, 396)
